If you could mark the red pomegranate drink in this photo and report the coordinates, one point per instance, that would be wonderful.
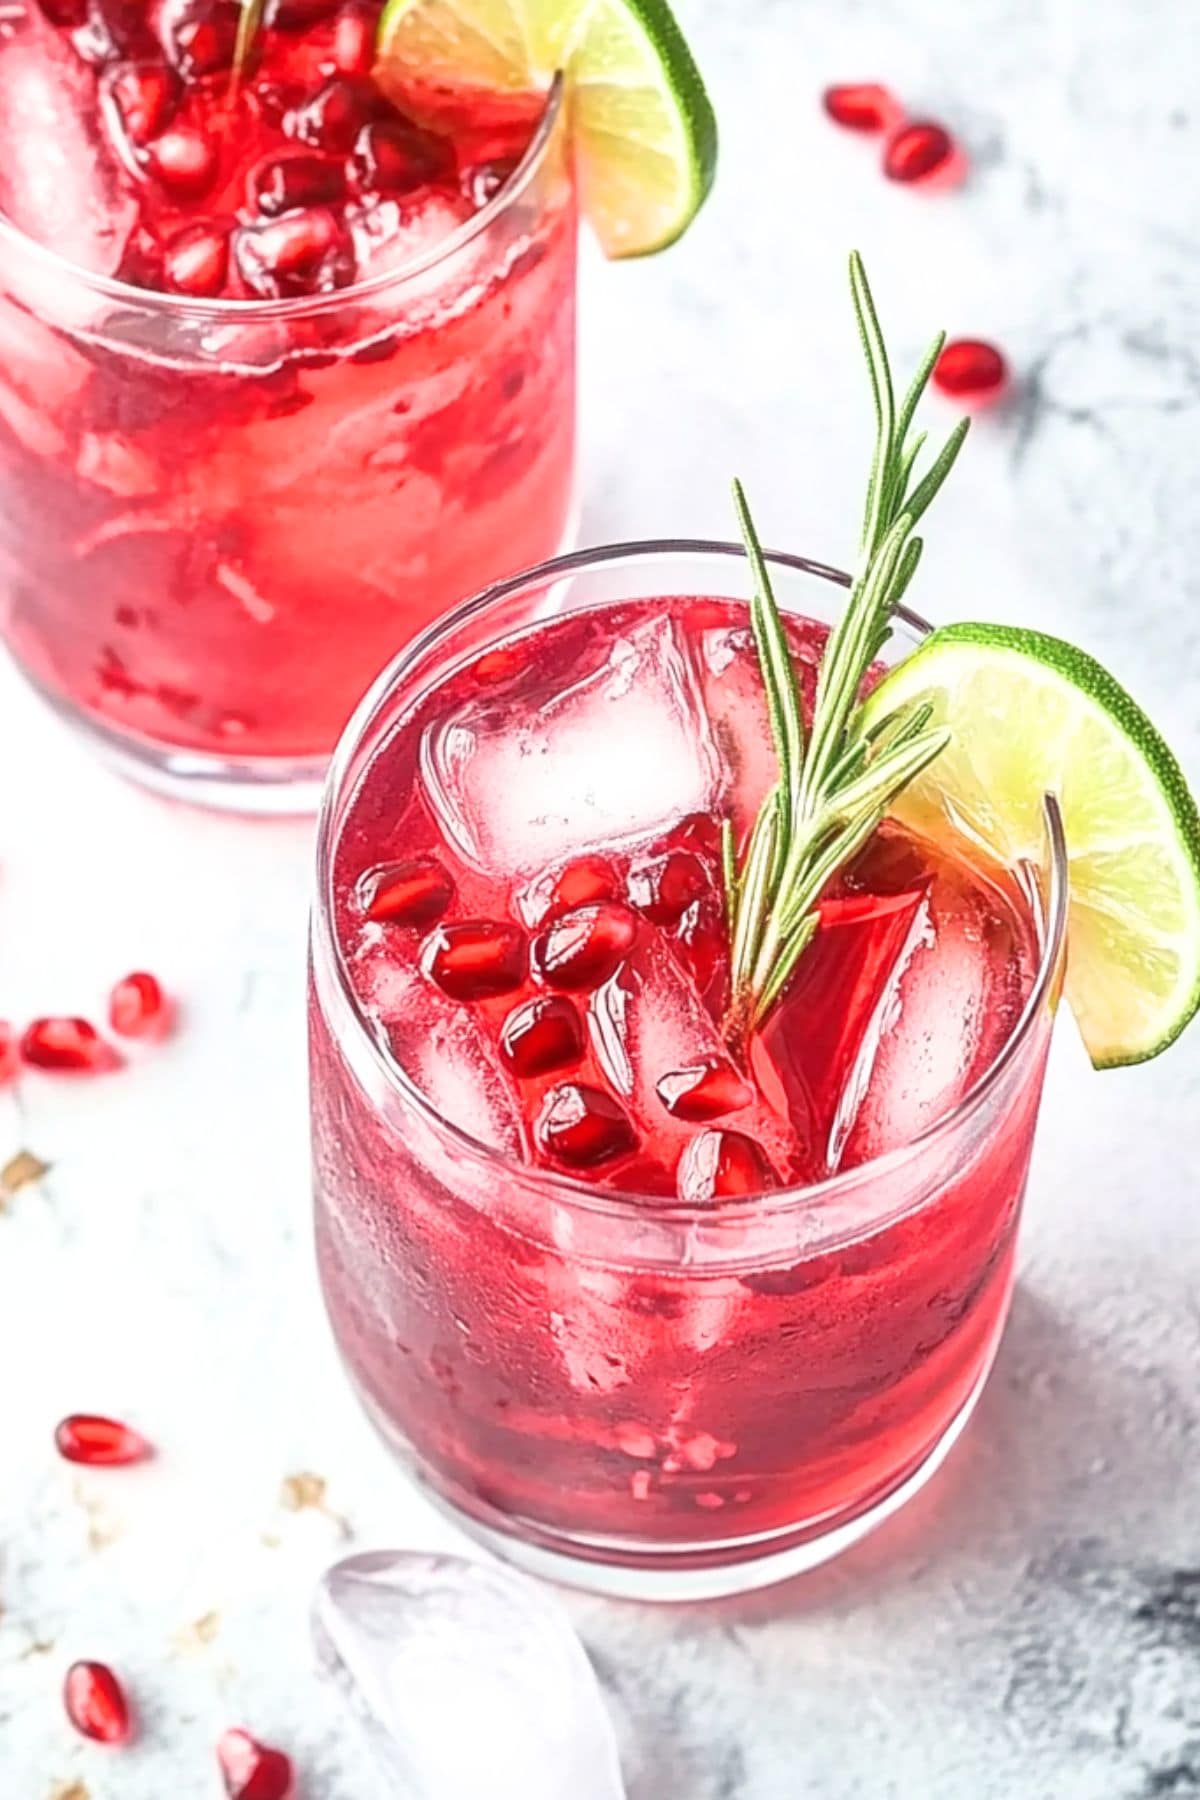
(283, 374)
(673, 1314)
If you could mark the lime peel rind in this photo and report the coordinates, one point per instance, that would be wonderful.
(1029, 714)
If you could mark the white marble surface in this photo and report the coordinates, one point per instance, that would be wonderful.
(1030, 1630)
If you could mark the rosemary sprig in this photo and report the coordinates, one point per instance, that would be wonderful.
(250, 20)
(835, 782)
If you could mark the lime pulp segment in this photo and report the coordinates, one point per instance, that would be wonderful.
(644, 132)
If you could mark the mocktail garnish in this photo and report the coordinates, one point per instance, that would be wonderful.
(836, 780)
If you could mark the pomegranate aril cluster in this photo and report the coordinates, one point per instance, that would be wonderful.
(66, 1044)
(256, 189)
(537, 989)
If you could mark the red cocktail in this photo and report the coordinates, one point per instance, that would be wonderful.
(670, 1314)
(283, 375)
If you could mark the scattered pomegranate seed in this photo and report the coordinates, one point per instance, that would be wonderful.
(144, 99)
(541, 1035)
(583, 948)
(475, 960)
(393, 157)
(861, 106)
(663, 887)
(971, 370)
(722, 1165)
(581, 1126)
(354, 41)
(71, 1045)
(9, 1060)
(406, 893)
(705, 1092)
(137, 1006)
(302, 252)
(287, 182)
(96, 1703)
(336, 114)
(183, 159)
(99, 1442)
(199, 35)
(917, 151)
(484, 181)
(196, 261)
(253, 1771)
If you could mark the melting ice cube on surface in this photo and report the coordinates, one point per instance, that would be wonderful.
(468, 1679)
(610, 757)
(59, 181)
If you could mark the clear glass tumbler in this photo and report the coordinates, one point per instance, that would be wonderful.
(218, 518)
(625, 1392)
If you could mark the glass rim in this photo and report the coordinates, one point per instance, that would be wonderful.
(296, 305)
(554, 1185)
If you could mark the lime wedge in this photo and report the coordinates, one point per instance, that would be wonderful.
(644, 132)
(1031, 715)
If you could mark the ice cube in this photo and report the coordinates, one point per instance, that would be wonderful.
(391, 234)
(613, 757)
(649, 1022)
(467, 1678)
(59, 182)
(442, 1047)
(736, 705)
(952, 1003)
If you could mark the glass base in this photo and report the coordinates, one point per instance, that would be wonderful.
(653, 1571)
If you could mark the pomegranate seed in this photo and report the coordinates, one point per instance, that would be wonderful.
(394, 157)
(300, 253)
(475, 960)
(142, 262)
(707, 1091)
(587, 879)
(353, 41)
(861, 106)
(95, 1702)
(663, 887)
(583, 948)
(287, 182)
(541, 1035)
(98, 1442)
(971, 370)
(9, 1060)
(917, 151)
(137, 1006)
(582, 1126)
(336, 114)
(484, 181)
(199, 36)
(196, 261)
(253, 1771)
(144, 97)
(722, 1165)
(184, 160)
(66, 1044)
(406, 893)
